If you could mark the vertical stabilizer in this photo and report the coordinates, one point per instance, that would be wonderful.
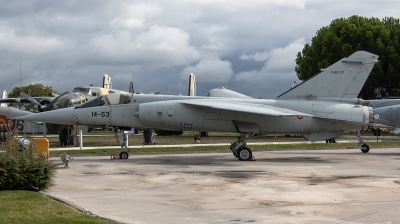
(344, 79)
(4, 95)
(192, 85)
(107, 82)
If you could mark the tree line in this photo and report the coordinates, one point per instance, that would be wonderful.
(345, 36)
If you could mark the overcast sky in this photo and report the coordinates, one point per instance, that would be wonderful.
(247, 46)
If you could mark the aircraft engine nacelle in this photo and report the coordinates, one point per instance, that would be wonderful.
(168, 115)
(363, 115)
(368, 113)
(346, 112)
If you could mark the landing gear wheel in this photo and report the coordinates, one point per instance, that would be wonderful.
(364, 148)
(63, 136)
(123, 155)
(244, 153)
(3, 136)
(2, 127)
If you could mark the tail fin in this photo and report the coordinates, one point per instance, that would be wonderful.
(107, 84)
(344, 79)
(4, 95)
(131, 87)
(192, 85)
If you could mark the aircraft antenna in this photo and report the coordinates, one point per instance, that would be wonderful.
(20, 74)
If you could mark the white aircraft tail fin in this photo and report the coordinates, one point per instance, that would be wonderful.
(344, 79)
(107, 84)
(4, 95)
(192, 85)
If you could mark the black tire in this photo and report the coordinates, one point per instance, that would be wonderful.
(2, 127)
(365, 148)
(149, 137)
(3, 136)
(72, 140)
(123, 155)
(204, 134)
(63, 136)
(244, 153)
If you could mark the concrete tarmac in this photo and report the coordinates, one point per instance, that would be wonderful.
(304, 186)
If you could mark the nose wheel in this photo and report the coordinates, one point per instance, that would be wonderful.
(123, 155)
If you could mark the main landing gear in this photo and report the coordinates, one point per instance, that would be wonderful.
(123, 154)
(239, 148)
(361, 144)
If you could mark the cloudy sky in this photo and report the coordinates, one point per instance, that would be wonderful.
(247, 46)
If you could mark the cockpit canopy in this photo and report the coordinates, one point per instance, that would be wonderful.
(81, 89)
(110, 99)
(88, 90)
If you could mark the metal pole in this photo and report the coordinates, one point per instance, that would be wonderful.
(126, 142)
(80, 139)
(44, 130)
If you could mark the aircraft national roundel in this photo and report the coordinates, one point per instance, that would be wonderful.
(3, 119)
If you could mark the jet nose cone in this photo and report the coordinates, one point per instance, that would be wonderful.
(60, 116)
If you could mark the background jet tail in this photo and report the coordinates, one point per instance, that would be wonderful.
(107, 84)
(4, 95)
(344, 79)
(131, 90)
(192, 85)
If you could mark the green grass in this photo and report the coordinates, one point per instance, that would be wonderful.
(33, 207)
(266, 147)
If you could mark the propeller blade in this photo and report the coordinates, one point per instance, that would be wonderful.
(30, 99)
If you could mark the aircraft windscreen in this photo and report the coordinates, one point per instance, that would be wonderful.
(99, 101)
(81, 89)
(117, 98)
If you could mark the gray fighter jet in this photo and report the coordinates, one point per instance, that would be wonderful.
(388, 110)
(324, 106)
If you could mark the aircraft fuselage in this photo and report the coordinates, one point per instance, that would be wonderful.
(169, 113)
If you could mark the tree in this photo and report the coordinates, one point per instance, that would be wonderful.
(345, 36)
(34, 90)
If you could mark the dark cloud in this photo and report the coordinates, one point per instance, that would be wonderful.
(247, 46)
